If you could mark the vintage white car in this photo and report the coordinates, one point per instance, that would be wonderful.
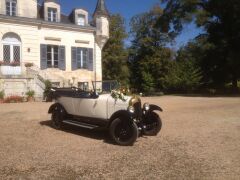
(125, 119)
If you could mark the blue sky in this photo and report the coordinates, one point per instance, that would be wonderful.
(128, 8)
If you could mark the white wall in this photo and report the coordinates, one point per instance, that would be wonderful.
(25, 8)
(33, 36)
(67, 39)
(102, 24)
(29, 37)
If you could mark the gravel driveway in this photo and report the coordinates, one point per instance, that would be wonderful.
(200, 139)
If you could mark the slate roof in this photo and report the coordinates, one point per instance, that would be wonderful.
(69, 19)
(101, 9)
(64, 18)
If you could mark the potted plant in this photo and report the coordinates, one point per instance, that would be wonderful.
(2, 96)
(47, 91)
(30, 96)
(15, 63)
(28, 64)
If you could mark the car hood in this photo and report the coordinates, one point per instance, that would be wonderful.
(109, 98)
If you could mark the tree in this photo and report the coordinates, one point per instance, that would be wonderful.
(148, 56)
(220, 18)
(185, 73)
(115, 56)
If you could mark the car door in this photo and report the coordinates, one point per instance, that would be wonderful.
(89, 106)
(66, 100)
(83, 105)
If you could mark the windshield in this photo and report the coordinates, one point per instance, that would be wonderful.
(104, 87)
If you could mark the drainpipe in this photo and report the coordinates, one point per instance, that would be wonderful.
(95, 67)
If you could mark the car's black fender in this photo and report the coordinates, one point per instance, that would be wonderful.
(121, 113)
(55, 106)
(155, 108)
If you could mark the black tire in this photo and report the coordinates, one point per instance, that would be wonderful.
(153, 124)
(123, 131)
(57, 118)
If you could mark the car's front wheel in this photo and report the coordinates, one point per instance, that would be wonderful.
(123, 131)
(57, 119)
(152, 124)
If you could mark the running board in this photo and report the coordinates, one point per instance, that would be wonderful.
(80, 124)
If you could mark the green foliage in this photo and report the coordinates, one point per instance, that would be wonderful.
(183, 76)
(2, 94)
(147, 82)
(48, 86)
(30, 93)
(220, 18)
(148, 56)
(114, 54)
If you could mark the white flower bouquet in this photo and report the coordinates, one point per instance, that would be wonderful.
(118, 94)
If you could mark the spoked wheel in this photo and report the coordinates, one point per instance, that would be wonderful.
(57, 118)
(123, 132)
(152, 125)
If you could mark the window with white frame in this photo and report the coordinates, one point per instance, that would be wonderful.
(52, 14)
(81, 20)
(11, 46)
(11, 7)
(82, 58)
(52, 56)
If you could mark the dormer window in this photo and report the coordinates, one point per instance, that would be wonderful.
(11, 7)
(80, 17)
(52, 14)
(81, 20)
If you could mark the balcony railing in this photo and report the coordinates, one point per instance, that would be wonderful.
(10, 68)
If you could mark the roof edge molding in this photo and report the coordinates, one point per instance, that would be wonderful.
(54, 1)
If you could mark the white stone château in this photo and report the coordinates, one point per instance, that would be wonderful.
(38, 43)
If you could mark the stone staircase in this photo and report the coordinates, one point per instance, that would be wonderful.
(19, 85)
(32, 78)
(49, 74)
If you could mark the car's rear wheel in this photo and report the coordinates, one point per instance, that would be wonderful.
(152, 125)
(57, 118)
(123, 131)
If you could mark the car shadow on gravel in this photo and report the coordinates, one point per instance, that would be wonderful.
(93, 134)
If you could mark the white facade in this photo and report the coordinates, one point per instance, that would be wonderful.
(63, 49)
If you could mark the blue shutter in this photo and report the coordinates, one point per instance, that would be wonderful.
(61, 58)
(85, 58)
(74, 58)
(43, 58)
(90, 59)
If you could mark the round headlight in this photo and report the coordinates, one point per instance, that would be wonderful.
(131, 109)
(146, 106)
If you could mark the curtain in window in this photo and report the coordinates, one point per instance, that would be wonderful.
(11, 7)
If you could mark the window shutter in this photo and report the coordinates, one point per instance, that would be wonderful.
(85, 58)
(43, 58)
(61, 56)
(74, 58)
(90, 59)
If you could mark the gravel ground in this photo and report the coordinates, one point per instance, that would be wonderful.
(200, 139)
